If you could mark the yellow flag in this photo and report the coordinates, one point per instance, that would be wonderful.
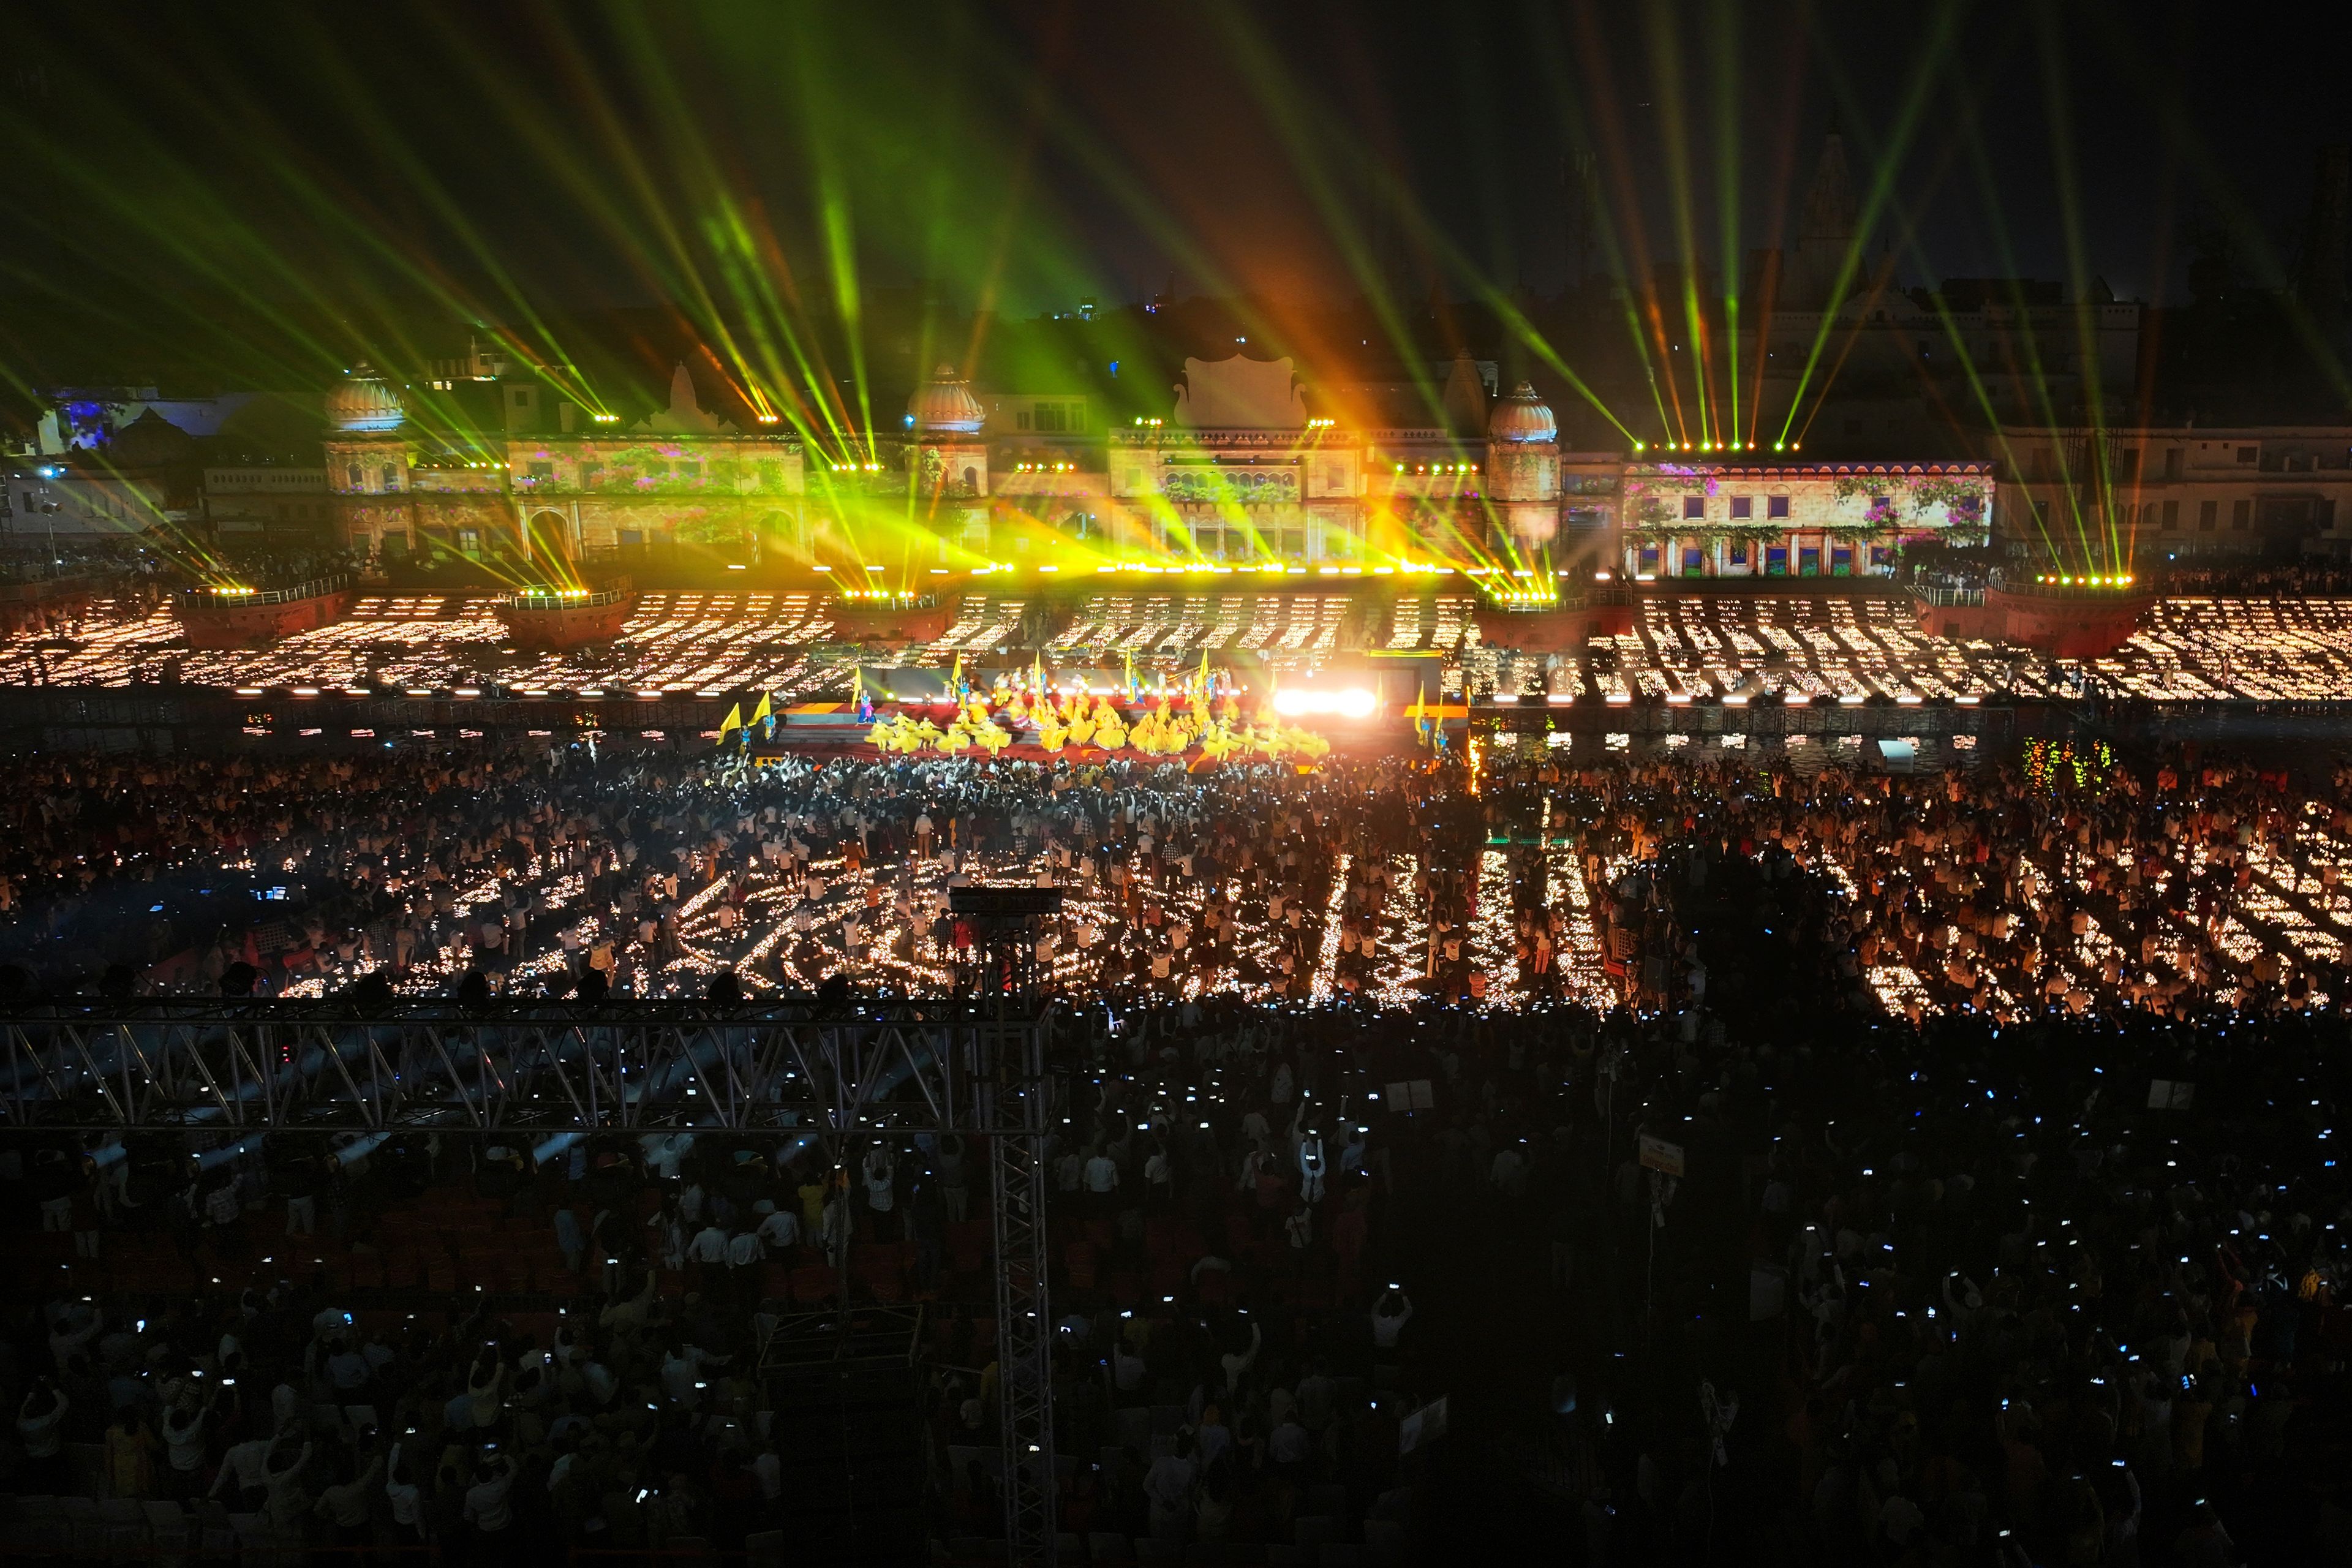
(734, 720)
(762, 710)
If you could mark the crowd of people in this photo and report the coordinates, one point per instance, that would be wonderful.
(2258, 578)
(2066, 882)
(2055, 878)
(1832, 1167)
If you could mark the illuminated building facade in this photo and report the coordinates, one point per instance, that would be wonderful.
(1243, 477)
(1708, 520)
(681, 476)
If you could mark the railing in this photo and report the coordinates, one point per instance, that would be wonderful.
(1949, 598)
(567, 599)
(853, 599)
(1538, 603)
(243, 598)
(2069, 586)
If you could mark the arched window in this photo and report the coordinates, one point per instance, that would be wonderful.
(550, 537)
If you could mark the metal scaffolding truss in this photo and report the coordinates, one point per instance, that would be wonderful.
(293, 1067)
(834, 1071)
(1019, 1095)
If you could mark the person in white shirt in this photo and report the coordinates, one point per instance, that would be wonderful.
(347, 1370)
(1317, 1391)
(630, 1313)
(486, 1499)
(485, 1387)
(1127, 1369)
(663, 1157)
(184, 1429)
(285, 1408)
(834, 1226)
(955, 1189)
(881, 1189)
(1238, 1363)
(407, 1502)
(242, 1466)
(1311, 1166)
(779, 1229)
(681, 1373)
(344, 1505)
(1169, 1487)
(1390, 1315)
(770, 1471)
(282, 1478)
(1102, 1182)
(1158, 1178)
(745, 1259)
(72, 1328)
(40, 1427)
(1352, 1157)
(1288, 1445)
(707, 1250)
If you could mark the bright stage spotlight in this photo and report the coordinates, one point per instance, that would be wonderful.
(1353, 703)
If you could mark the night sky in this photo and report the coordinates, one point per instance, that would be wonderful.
(329, 161)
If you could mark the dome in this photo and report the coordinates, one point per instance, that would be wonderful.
(362, 400)
(945, 403)
(1522, 417)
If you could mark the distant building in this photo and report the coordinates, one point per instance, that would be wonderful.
(89, 418)
(1013, 415)
(2177, 493)
(60, 499)
(1854, 364)
(267, 499)
(483, 359)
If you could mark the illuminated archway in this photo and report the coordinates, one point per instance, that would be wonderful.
(547, 536)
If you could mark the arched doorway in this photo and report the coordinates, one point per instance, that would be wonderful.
(781, 534)
(548, 537)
